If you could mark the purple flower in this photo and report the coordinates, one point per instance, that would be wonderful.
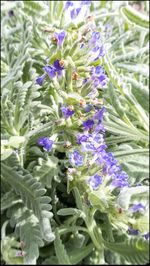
(11, 13)
(82, 138)
(120, 183)
(67, 112)
(95, 37)
(57, 65)
(50, 70)
(101, 50)
(68, 4)
(85, 2)
(87, 146)
(88, 124)
(132, 231)
(60, 37)
(40, 80)
(75, 158)
(98, 76)
(46, 143)
(99, 128)
(88, 108)
(99, 115)
(146, 236)
(137, 207)
(95, 181)
(74, 12)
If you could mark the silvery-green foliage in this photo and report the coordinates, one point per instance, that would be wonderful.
(48, 217)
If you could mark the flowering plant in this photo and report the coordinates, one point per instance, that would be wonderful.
(74, 133)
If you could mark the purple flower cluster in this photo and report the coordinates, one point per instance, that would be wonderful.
(46, 143)
(92, 143)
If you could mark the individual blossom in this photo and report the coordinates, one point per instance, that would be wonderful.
(46, 143)
(75, 12)
(88, 124)
(95, 181)
(67, 112)
(99, 114)
(94, 38)
(76, 159)
(132, 231)
(137, 207)
(95, 45)
(58, 67)
(88, 108)
(40, 80)
(59, 38)
(82, 138)
(146, 236)
(50, 70)
(85, 3)
(88, 146)
(68, 4)
(98, 76)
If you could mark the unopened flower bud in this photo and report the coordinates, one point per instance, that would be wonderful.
(75, 76)
(62, 62)
(82, 103)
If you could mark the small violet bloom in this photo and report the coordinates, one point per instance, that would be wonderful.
(50, 70)
(88, 108)
(67, 112)
(99, 115)
(46, 143)
(60, 37)
(120, 183)
(146, 236)
(68, 4)
(76, 159)
(75, 12)
(82, 138)
(85, 2)
(57, 65)
(88, 124)
(95, 181)
(132, 231)
(40, 80)
(137, 207)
